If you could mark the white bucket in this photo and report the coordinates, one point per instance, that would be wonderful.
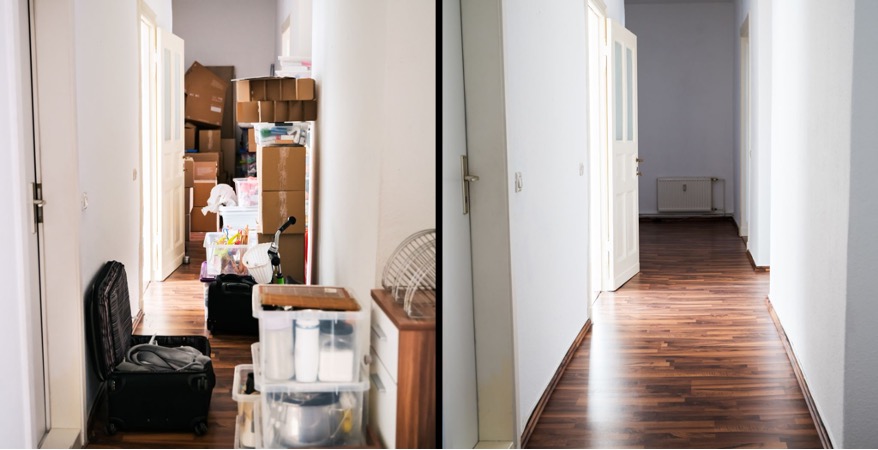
(258, 263)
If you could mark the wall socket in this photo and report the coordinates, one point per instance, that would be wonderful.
(518, 184)
(84, 201)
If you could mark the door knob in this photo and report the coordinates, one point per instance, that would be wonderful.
(640, 160)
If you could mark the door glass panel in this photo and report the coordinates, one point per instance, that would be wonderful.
(630, 80)
(166, 95)
(178, 117)
(617, 82)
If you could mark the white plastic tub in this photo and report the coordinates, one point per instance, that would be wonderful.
(239, 217)
(322, 345)
(224, 258)
(247, 190)
(248, 425)
(334, 417)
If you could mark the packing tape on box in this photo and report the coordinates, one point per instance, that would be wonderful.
(282, 204)
(283, 155)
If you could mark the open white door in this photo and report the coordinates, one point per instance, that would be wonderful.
(169, 218)
(624, 229)
(460, 418)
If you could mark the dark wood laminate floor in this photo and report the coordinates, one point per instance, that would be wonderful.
(684, 355)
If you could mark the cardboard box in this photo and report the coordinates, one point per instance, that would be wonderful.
(304, 89)
(228, 152)
(205, 95)
(188, 172)
(272, 89)
(288, 89)
(200, 222)
(209, 141)
(275, 207)
(309, 110)
(292, 254)
(251, 140)
(266, 111)
(280, 111)
(281, 168)
(247, 112)
(190, 132)
(201, 192)
(202, 172)
(227, 73)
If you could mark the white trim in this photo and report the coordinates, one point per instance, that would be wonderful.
(599, 6)
(62, 438)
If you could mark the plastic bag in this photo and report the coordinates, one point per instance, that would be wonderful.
(220, 195)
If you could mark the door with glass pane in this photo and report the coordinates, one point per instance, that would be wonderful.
(170, 239)
(623, 157)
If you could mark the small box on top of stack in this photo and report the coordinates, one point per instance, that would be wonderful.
(274, 99)
(307, 366)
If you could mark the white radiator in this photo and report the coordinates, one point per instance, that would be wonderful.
(685, 194)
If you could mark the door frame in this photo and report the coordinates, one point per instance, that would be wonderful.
(148, 154)
(744, 103)
(597, 154)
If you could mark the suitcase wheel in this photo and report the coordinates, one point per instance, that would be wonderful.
(112, 428)
(200, 428)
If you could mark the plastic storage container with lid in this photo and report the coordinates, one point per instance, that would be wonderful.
(225, 258)
(238, 217)
(324, 344)
(313, 414)
(247, 190)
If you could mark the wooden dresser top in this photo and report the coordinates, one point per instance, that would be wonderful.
(397, 314)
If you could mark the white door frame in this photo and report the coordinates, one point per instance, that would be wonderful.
(597, 147)
(745, 145)
(148, 149)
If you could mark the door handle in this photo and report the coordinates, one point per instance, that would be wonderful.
(376, 380)
(466, 179)
(639, 160)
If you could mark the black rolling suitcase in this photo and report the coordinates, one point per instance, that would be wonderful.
(229, 307)
(143, 399)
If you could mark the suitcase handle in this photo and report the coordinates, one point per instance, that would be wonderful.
(199, 383)
(237, 287)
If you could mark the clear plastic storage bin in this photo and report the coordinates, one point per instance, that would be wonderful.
(307, 346)
(247, 190)
(225, 258)
(239, 217)
(313, 414)
(248, 425)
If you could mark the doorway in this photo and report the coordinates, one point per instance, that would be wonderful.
(597, 144)
(148, 149)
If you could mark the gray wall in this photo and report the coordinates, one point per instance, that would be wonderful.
(686, 54)
(228, 33)
(860, 391)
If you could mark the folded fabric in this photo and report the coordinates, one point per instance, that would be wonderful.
(155, 358)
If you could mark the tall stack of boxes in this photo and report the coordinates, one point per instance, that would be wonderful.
(281, 166)
(206, 95)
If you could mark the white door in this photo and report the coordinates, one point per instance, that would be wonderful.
(33, 244)
(170, 239)
(624, 238)
(459, 397)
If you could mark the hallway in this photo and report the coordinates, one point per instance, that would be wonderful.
(684, 355)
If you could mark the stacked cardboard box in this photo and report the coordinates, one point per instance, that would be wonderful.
(204, 173)
(282, 193)
(275, 99)
(206, 100)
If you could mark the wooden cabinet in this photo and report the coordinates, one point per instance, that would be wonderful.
(403, 375)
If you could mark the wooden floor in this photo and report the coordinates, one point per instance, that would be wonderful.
(684, 355)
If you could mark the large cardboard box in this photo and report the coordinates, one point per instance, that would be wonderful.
(206, 165)
(188, 172)
(205, 96)
(247, 112)
(200, 222)
(201, 192)
(281, 168)
(274, 89)
(227, 73)
(190, 131)
(209, 141)
(275, 207)
(292, 254)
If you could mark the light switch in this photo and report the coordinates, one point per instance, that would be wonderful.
(84, 201)
(518, 183)
(581, 169)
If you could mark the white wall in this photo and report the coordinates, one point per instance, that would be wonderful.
(861, 365)
(375, 135)
(228, 33)
(548, 219)
(300, 14)
(759, 221)
(685, 93)
(810, 173)
(18, 426)
(164, 12)
(109, 150)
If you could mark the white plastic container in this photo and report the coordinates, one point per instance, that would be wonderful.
(331, 326)
(277, 343)
(239, 217)
(225, 258)
(313, 414)
(247, 190)
(248, 424)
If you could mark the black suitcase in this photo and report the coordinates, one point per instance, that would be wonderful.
(229, 307)
(161, 401)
